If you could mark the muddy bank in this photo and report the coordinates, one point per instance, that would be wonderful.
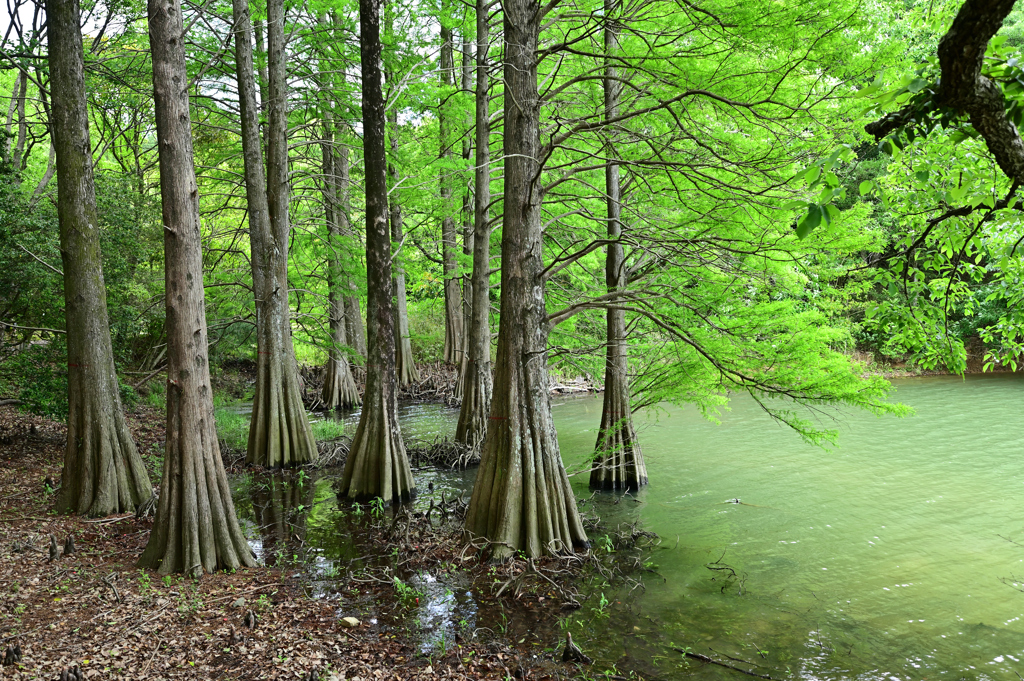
(877, 364)
(93, 609)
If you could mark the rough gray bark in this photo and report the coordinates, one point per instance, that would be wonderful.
(195, 527)
(377, 464)
(354, 329)
(103, 472)
(522, 500)
(618, 462)
(279, 432)
(13, 104)
(467, 218)
(339, 390)
(18, 156)
(453, 330)
(405, 363)
(476, 378)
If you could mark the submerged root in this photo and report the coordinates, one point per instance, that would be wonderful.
(619, 462)
(443, 453)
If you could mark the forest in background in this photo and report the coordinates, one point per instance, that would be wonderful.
(676, 201)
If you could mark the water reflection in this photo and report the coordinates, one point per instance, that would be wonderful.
(280, 507)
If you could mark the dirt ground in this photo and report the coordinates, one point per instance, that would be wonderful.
(94, 610)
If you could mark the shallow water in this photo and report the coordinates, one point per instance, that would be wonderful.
(886, 558)
(882, 559)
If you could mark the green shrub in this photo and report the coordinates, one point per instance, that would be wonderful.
(39, 376)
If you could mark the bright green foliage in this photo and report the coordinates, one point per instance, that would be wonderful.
(748, 200)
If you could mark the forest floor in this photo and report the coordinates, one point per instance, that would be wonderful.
(95, 610)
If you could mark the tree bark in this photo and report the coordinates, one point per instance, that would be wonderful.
(405, 363)
(453, 330)
(467, 218)
(354, 329)
(195, 527)
(103, 472)
(377, 464)
(476, 378)
(618, 462)
(279, 433)
(339, 390)
(18, 156)
(522, 500)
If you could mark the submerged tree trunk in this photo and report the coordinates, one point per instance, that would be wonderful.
(522, 500)
(339, 391)
(476, 379)
(405, 363)
(377, 465)
(279, 433)
(195, 527)
(618, 462)
(453, 330)
(103, 472)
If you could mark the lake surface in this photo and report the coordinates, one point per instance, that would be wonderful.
(890, 557)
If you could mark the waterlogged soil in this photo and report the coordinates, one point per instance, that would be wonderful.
(93, 609)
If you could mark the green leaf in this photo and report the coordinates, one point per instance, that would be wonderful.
(812, 174)
(921, 175)
(917, 85)
(866, 187)
(811, 220)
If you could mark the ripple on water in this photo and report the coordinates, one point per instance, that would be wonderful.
(882, 559)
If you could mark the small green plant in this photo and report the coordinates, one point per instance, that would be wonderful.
(377, 508)
(327, 429)
(357, 509)
(407, 595)
(302, 476)
(264, 602)
(168, 580)
(144, 582)
(602, 606)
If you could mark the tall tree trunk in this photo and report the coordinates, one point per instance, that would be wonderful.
(405, 362)
(195, 527)
(354, 329)
(103, 472)
(467, 215)
(522, 500)
(12, 107)
(339, 391)
(377, 465)
(476, 391)
(453, 330)
(18, 157)
(279, 433)
(618, 462)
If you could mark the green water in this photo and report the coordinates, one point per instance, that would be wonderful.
(882, 559)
